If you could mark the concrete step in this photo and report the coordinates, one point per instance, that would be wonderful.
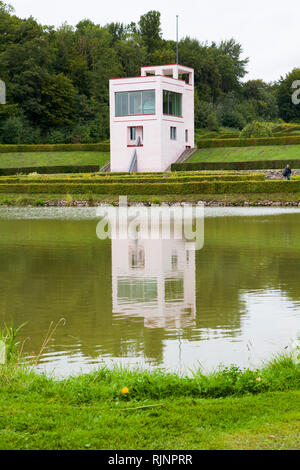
(183, 157)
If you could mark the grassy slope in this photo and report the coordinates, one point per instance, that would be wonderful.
(238, 154)
(267, 421)
(10, 160)
(163, 411)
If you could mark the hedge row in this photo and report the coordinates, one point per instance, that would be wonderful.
(254, 165)
(215, 187)
(286, 140)
(101, 147)
(186, 179)
(48, 170)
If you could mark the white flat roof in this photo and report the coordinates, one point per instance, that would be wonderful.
(168, 66)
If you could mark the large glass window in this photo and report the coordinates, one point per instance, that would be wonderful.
(135, 102)
(172, 103)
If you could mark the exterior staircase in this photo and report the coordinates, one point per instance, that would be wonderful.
(184, 156)
(105, 168)
(133, 163)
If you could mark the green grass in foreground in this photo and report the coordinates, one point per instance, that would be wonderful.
(240, 154)
(23, 200)
(17, 160)
(229, 409)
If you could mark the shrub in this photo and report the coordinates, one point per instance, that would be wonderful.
(212, 122)
(227, 166)
(207, 187)
(100, 147)
(36, 178)
(55, 137)
(233, 118)
(256, 129)
(12, 130)
(213, 143)
(49, 169)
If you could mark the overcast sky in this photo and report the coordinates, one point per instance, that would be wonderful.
(267, 29)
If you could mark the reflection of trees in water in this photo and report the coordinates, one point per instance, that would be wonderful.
(54, 269)
(244, 254)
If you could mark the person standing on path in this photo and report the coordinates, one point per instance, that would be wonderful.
(287, 172)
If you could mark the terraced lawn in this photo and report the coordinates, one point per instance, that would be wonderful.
(21, 160)
(239, 154)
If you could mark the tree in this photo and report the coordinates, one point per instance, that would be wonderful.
(57, 98)
(149, 29)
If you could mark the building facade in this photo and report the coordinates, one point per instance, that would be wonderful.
(151, 118)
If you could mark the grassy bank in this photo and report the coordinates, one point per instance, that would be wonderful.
(237, 154)
(229, 409)
(38, 159)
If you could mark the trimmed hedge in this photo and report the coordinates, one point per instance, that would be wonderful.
(48, 170)
(214, 187)
(254, 165)
(100, 147)
(126, 180)
(286, 140)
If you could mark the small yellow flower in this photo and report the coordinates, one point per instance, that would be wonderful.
(125, 391)
(259, 379)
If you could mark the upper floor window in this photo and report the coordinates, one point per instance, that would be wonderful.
(172, 103)
(135, 102)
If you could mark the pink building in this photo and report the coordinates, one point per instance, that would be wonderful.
(151, 118)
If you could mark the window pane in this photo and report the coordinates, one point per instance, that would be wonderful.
(178, 104)
(132, 133)
(173, 133)
(135, 102)
(148, 102)
(165, 102)
(122, 104)
(172, 103)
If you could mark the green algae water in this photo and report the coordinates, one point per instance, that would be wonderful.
(157, 303)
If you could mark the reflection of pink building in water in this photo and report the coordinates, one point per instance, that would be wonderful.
(155, 280)
(151, 118)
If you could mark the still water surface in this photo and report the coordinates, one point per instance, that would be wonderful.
(151, 303)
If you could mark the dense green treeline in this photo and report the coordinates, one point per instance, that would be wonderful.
(57, 78)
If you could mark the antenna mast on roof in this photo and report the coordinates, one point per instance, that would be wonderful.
(177, 61)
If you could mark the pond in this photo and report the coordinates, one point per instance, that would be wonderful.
(151, 303)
